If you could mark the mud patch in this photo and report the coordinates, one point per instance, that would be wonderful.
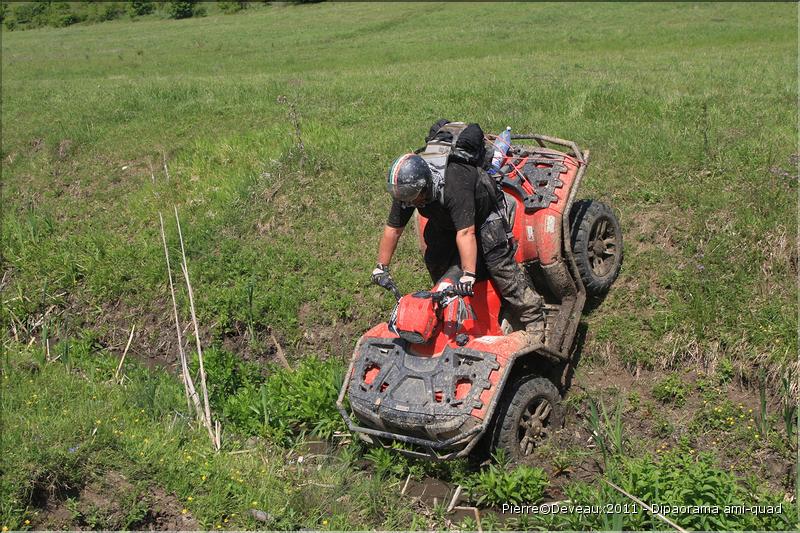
(335, 339)
(651, 426)
(112, 502)
(64, 148)
(37, 144)
(790, 175)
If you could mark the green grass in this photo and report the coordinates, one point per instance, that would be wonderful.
(684, 120)
(65, 425)
(689, 111)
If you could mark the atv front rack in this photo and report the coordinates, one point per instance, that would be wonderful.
(459, 445)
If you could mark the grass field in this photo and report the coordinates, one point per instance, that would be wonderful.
(271, 132)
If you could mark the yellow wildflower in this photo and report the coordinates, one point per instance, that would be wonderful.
(184, 510)
(5, 528)
(27, 522)
(190, 498)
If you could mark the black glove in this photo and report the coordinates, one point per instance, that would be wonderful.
(381, 276)
(464, 285)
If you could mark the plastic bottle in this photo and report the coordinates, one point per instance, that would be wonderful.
(501, 145)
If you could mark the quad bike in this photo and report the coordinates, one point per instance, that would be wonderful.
(448, 371)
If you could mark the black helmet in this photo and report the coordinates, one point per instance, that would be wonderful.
(409, 175)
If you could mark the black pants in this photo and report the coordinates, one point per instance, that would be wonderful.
(495, 260)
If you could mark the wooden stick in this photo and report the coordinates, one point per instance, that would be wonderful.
(640, 502)
(164, 159)
(124, 353)
(203, 387)
(405, 485)
(152, 174)
(188, 384)
(454, 501)
(281, 355)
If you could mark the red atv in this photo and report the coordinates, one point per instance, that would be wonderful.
(447, 371)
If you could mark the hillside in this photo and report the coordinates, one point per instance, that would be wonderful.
(271, 132)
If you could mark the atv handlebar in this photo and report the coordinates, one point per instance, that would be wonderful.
(389, 285)
(436, 296)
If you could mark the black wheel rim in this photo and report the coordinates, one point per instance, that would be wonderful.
(534, 425)
(603, 247)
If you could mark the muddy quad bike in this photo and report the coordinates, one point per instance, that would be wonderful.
(448, 371)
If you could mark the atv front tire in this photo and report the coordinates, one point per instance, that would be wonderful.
(527, 416)
(596, 244)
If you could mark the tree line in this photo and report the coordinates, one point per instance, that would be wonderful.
(28, 15)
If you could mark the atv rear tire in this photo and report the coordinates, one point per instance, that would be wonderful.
(527, 416)
(596, 244)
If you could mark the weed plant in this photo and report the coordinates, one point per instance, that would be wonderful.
(606, 428)
(500, 482)
(682, 477)
(671, 389)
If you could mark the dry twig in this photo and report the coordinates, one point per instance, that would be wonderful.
(281, 355)
(124, 353)
(164, 160)
(188, 384)
(206, 405)
(640, 502)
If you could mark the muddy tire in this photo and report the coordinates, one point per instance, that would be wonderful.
(527, 415)
(596, 244)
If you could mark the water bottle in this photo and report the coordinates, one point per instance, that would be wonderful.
(501, 145)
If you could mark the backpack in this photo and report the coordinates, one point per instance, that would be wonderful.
(442, 144)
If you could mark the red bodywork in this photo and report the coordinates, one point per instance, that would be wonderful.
(482, 329)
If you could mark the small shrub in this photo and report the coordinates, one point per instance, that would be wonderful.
(725, 370)
(670, 390)
(497, 484)
(226, 374)
(390, 463)
(139, 8)
(290, 403)
(31, 13)
(232, 7)
(181, 10)
(662, 427)
(682, 479)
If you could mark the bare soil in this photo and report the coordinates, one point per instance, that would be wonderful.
(112, 502)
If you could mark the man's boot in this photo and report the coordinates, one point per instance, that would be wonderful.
(535, 332)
